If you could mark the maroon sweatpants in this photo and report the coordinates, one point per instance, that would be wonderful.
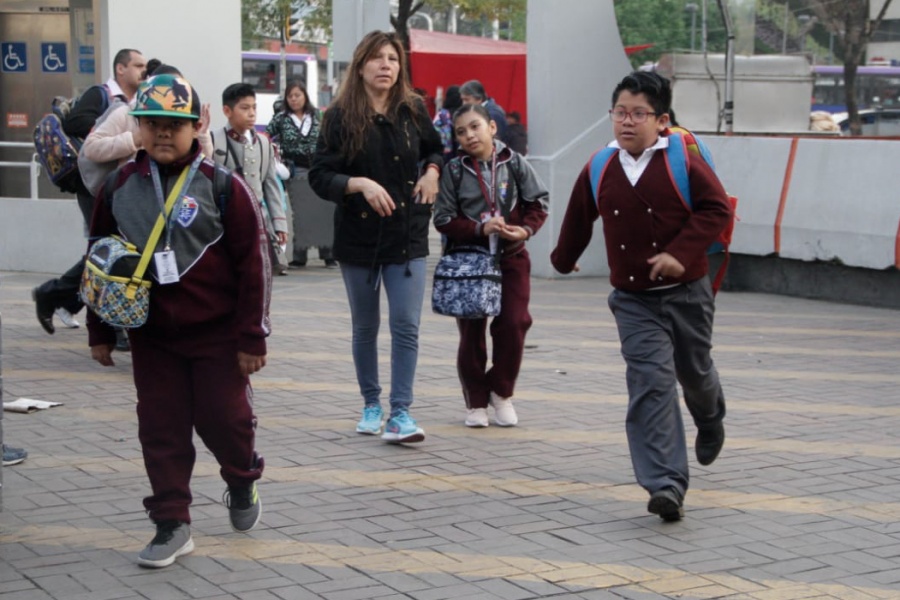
(508, 331)
(185, 383)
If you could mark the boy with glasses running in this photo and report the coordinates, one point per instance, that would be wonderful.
(662, 299)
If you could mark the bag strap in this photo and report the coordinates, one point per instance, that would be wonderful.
(137, 276)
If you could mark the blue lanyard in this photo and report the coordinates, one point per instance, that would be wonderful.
(160, 198)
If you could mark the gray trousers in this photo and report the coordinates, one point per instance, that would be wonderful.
(666, 340)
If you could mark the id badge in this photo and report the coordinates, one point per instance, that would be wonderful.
(166, 267)
(494, 237)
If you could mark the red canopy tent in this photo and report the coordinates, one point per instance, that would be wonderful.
(443, 59)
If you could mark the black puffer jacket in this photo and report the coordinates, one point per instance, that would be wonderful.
(394, 155)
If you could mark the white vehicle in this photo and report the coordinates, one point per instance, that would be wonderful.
(262, 70)
(876, 122)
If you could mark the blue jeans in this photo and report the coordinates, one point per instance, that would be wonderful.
(404, 294)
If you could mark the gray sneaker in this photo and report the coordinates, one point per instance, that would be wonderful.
(244, 507)
(173, 539)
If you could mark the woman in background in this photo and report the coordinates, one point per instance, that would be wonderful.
(295, 129)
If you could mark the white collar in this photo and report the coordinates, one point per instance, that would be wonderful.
(115, 90)
(662, 142)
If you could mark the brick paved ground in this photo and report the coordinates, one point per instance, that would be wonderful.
(803, 502)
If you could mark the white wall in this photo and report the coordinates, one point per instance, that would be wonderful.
(202, 38)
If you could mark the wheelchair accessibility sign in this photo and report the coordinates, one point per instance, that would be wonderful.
(53, 57)
(13, 57)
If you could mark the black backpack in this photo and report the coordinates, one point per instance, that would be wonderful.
(56, 150)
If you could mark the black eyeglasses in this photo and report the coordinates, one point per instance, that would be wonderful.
(637, 116)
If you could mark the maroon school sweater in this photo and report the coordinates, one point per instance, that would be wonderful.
(643, 220)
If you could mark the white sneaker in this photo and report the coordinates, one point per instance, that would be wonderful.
(476, 417)
(504, 413)
(67, 318)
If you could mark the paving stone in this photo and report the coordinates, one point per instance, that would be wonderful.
(802, 503)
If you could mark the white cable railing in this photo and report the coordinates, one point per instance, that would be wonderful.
(33, 165)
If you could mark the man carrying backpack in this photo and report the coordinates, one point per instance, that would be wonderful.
(60, 295)
(662, 300)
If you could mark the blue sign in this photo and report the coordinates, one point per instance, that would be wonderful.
(85, 65)
(13, 57)
(53, 57)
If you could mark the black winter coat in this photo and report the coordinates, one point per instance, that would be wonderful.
(394, 155)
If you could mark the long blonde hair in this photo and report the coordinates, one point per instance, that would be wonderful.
(353, 102)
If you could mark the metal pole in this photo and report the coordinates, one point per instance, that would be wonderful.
(784, 29)
(728, 110)
(703, 32)
(693, 26)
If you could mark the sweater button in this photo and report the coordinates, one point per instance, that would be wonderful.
(403, 205)
(616, 212)
(622, 246)
(631, 278)
(396, 157)
(649, 210)
(653, 244)
(364, 214)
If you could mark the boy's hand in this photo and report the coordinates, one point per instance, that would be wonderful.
(282, 237)
(250, 364)
(204, 118)
(103, 354)
(514, 233)
(665, 265)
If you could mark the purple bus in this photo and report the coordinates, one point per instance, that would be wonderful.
(262, 70)
(876, 86)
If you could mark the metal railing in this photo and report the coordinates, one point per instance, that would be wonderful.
(33, 165)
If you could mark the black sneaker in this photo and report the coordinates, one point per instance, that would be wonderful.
(667, 504)
(244, 507)
(710, 440)
(173, 539)
(44, 310)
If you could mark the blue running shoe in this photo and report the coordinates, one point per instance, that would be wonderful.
(370, 424)
(402, 429)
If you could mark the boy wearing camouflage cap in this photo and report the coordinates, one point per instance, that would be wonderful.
(209, 313)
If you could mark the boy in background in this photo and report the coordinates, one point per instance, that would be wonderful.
(239, 147)
(208, 320)
(662, 299)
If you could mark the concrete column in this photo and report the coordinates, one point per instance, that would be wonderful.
(575, 59)
(202, 38)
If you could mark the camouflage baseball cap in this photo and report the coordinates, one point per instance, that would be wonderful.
(167, 96)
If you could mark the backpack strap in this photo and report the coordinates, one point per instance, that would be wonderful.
(599, 162)
(677, 164)
(222, 187)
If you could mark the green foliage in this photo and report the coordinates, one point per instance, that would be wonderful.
(267, 19)
(667, 25)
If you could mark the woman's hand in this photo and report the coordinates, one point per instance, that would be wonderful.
(377, 197)
(426, 189)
